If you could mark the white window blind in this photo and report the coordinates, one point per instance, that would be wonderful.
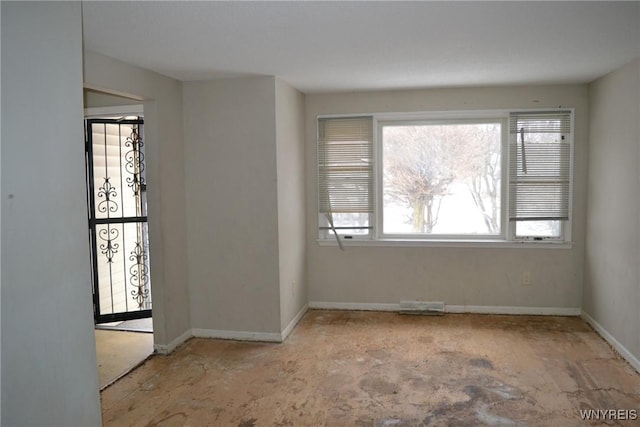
(539, 165)
(345, 165)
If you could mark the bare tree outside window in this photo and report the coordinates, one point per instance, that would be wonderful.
(417, 171)
(447, 176)
(479, 162)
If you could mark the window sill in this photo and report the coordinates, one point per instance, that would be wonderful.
(501, 244)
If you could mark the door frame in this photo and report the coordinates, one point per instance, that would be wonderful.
(107, 113)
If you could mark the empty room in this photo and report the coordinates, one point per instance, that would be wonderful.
(360, 213)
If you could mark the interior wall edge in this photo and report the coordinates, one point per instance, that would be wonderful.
(294, 322)
(621, 349)
(165, 349)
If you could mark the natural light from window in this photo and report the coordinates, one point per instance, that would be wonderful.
(441, 178)
(472, 177)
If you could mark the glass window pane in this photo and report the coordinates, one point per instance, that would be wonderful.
(441, 179)
(349, 220)
(538, 229)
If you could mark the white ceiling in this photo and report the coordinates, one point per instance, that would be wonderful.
(336, 46)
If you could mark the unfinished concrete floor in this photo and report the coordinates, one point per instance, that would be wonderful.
(118, 352)
(342, 368)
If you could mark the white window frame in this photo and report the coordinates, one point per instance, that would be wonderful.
(507, 236)
(327, 230)
(565, 226)
(379, 229)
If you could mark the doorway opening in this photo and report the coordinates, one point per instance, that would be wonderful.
(118, 234)
(118, 228)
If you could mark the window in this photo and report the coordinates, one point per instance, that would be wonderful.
(441, 178)
(539, 174)
(467, 176)
(345, 175)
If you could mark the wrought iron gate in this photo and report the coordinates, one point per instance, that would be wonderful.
(118, 229)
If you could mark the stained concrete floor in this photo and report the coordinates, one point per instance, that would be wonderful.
(118, 352)
(342, 368)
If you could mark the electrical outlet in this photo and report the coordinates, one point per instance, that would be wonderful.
(526, 278)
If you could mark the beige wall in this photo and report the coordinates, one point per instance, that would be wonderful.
(457, 276)
(245, 205)
(49, 369)
(291, 201)
(162, 100)
(612, 261)
(232, 211)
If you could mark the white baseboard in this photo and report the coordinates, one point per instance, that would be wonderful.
(168, 348)
(323, 305)
(626, 354)
(500, 309)
(231, 335)
(237, 335)
(480, 309)
(285, 333)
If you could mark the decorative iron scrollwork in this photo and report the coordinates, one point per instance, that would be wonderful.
(134, 159)
(110, 247)
(108, 192)
(139, 275)
(118, 218)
